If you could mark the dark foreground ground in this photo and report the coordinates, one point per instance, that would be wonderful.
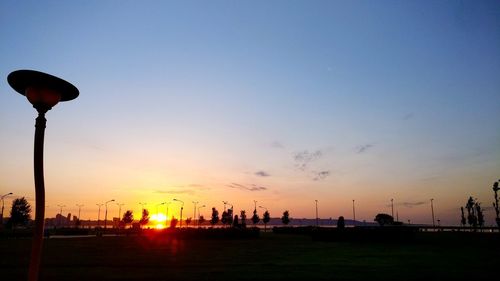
(436, 256)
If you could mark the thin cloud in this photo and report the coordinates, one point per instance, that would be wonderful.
(176, 191)
(304, 158)
(321, 175)
(262, 174)
(252, 187)
(408, 204)
(363, 148)
(277, 144)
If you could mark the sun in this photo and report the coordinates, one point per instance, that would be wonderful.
(159, 220)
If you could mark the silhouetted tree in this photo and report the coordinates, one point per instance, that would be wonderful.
(255, 217)
(265, 219)
(285, 219)
(201, 220)
(223, 218)
(384, 219)
(173, 222)
(495, 204)
(215, 217)
(243, 217)
(235, 221)
(20, 212)
(463, 221)
(480, 216)
(471, 212)
(128, 217)
(144, 218)
(188, 221)
(230, 216)
(341, 223)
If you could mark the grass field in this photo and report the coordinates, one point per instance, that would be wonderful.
(439, 256)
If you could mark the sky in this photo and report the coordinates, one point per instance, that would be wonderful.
(282, 102)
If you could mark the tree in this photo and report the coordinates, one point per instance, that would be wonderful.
(128, 217)
(235, 221)
(463, 221)
(243, 217)
(173, 222)
(471, 212)
(201, 220)
(341, 223)
(266, 219)
(229, 216)
(480, 216)
(384, 219)
(20, 213)
(255, 217)
(188, 221)
(495, 204)
(224, 219)
(215, 217)
(145, 217)
(285, 219)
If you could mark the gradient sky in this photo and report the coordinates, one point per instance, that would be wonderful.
(282, 102)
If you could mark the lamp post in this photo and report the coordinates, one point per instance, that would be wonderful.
(317, 218)
(194, 213)
(262, 207)
(353, 213)
(392, 208)
(432, 212)
(106, 213)
(166, 215)
(182, 207)
(99, 214)
(255, 204)
(142, 205)
(225, 203)
(43, 91)
(79, 209)
(60, 213)
(3, 196)
(119, 210)
(199, 214)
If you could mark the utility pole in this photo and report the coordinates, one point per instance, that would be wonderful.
(317, 218)
(432, 212)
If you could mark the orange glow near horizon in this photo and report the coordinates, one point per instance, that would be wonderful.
(158, 221)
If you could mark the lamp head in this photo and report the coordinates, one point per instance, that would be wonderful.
(42, 90)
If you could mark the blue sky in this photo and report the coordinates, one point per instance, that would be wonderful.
(338, 100)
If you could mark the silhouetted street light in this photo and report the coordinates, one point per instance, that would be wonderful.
(3, 203)
(225, 203)
(199, 214)
(194, 213)
(119, 210)
(106, 213)
(43, 91)
(99, 214)
(353, 212)
(317, 217)
(79, 209)
(168, 204)
(392, 208)
(60, 213)
(432, 212)
(158, 205)
(142, 205)
(182, 208)
(263, 208)
(255, 204)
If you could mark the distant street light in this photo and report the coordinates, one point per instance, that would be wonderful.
(199, 214)
(263, 208)
(392, 208)
(142, 205)
(182, 208)
(157, 205)
(353, 212)
(194, 213)
(168, 204)
(43, 91)
(255, 204)
(99, 214)
(432, 211)
(60, 213)
(3, 203)
(317, 217)
(225, 203)
(106, 213)
(79, 209)
(119, 210)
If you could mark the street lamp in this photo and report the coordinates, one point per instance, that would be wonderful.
(255, 204)
(317, 218)
(353, 213)
(199, 214)
(157, 205)
(142, 205)
(432, 211)
(106, 213)
(182, 207)
(194, 213)
(168, 204)
(119, 210)
(3, 196)
(392, 208)
(60, 213)
(43, 92)
(79, 209)
(99, 214)
(225, 203)
(262, 207)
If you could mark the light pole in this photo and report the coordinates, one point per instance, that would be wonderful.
(353, 213)
(168, 204)
(99, 214)
(432, 212)
(255, 204)
(3, 196)
(43, 91)
(317, 218)
(199, 214)
(182, 207)
(142, 205)
(106, 213)
(392, 208)
(194, 213)
(262, 207)
(60, 213)
(225, 203)
(79, 209)
(119, 210)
